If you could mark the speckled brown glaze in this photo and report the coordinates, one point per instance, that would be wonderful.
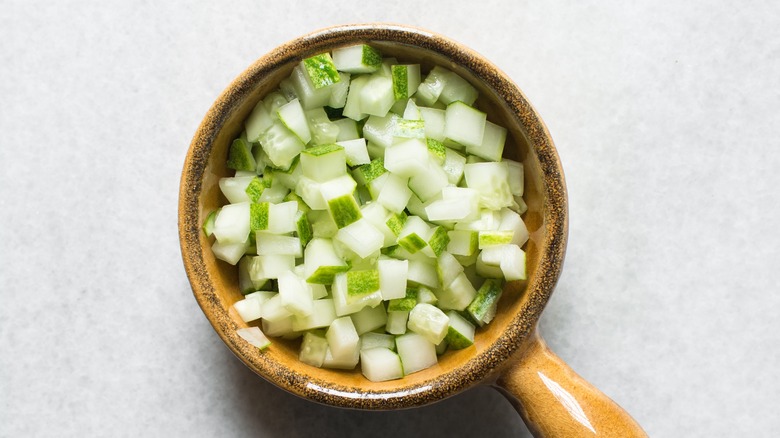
(215, 286)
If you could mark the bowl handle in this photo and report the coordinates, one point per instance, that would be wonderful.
(556, 402)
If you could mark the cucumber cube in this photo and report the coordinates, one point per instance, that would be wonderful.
(438, 240)
(309, 95)
(322, 315)
(486, 270)
(292, 116)
(258, 122)
(494, 238)
(429, 321)
(255, 189)
(377, 216)
(447, 268)
(240, 156)
(323, 131)
(408, 158)
(483, 308)
(344, 210)
(423, 273)
(208, 224)
(380, 364)
(321, 263)
(347, 130)
(516, 177)
(341, 295)
(272, 266)
(458, 89)
(396, 222)
(361, 284)
(281, 145)
(412, 111)
(426, 296)
(459, 294)
(343, 339)
(338, 97)
(303, 228)
(273, 310)
(355, 151)
(454, 164)
(512, 221)
(379, 130)
(321, 70)
(352, 108)
(392, 278)
(396, 321)
(460, 333)
(370, 318)
(281, 217)
(280, 327)
(361, 237)
(254, 336)
(371, 340)
(232, 224)
(492, 146)
(464, 124)
(406, 79)
(376, 96)
(310, 191)
(322, 224)
(416, 352)
(361, 58)
(394, 194)
(249, 309)
(323, 163)
(371, 171)
(234, 189)
(413, 236)
(434, 123)
(313, 349)
(295, 294)
(272, 244)
(430, 89)
(437, 150)
(347, 362)
(406, 303)
(430, 183)
(491, 181)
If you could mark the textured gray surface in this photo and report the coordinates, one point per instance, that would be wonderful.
(665, 115)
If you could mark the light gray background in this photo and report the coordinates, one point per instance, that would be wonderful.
(665, 115)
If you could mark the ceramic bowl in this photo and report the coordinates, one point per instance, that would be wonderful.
(508, 353)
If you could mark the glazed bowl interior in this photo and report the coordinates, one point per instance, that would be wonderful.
(215, 283)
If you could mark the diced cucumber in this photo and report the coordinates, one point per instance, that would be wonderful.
(396, 321)
(408, 158)
(355, 151)
(411, 111)
(288, 89)
(208, 224)
(492, 146)
(406, 303)
(271, 244)
(361, 284)
(458, 294)
(295, 294)
(454, 165)
(376, 95)
(486, 270)
(429, 321)
(322, 224)
(370, 318)
(322, 315)
(495, 238)
(491, 181)
(347, 362)
(396, 222)
(232, 224)
(361, 237)
(379, 130)
(310, 191)
(321, 263)
(458, 89)
(512, 221)
(510, 258)
(255, 189)
(254, 336)
(380, 364)
(343, 339)
(245, 282)
(430, 183)
(460, 333)
(281, 217)
(309, 95)
(483, 308)
(274, 310)
(430, 89)
(321, 70)
(426, 296)
(281, 145)
(376, 340)
(394, 194)
(437, 150)
(361, 58)
(258, 122)
(324, 163)
(344, 210)
(234, 189)
(405, 129)
(423, 273)
(280, 327)
(447, 268)
(338, 96)
(240, 156)
(413, 235)
(352, 108)
(434, 123)
(249, 309)
(347, 130)
(406, 79)
(377, 216)
(457, 204)
(438, 240)
(371, 171)
(464, 124)
(392, 278)
(271, 266)
(357, 301)
(313, 349)
(417, 353)
(323, 131)
(303, 228)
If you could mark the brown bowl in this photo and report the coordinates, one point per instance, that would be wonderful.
(508, 353)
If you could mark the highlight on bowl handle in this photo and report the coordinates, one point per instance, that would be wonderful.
(556, 402)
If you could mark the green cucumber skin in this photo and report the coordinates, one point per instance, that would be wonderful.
(487, 296)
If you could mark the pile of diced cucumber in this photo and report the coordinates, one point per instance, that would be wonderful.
(371, 214)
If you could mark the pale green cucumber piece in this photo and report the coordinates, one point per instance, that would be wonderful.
(229, 252)
(369, 172)
(254, 336)
(486, 270)
(430, 89)
(281, 145)
(344, 210)
(376, 96)
(458, 89)
(322, 315)
(257, 122)
(232, 224)
(406, 79)
(379, 130)
(483, 308)
(234, 189)
(208, 224)
(392, 278)
(271, 266)
(340, 292)
(475, 159)
(464, 124)
(380, 364)
(516, 177)
(438, 240)
(361, 237)
(454, 164)
(396, 222)
(273, 310)
(318, 291)
(338, 97)
(348, 362)
(411, 111)
(491, 181)
(274, 194)
(511, 260)
(417, 353)
(370, 318)
(324, 163)
(417, 207)
(273, 102)
(495, 238)
(245, 283)
(394, 194)
(457, 204)
(240, 156)
(321, 70)
(342, 338)
(323, 131)
(309, 96)
(437, 150)
(513, 222)
(434, 123)
(405, 129)
(460, 333)
(321, 263)
(361, 58)
(255, 189)
(286, 178)
(302, 206)
(492, 146)
(396, 321)
(347, 129)
(280, 328)
(408, 158)
(287, 88)
(426, 296)
(272, 244)
(413, 235)
(457, 295)
(423, 273)
(249, 309)
(322, 224)
(292, 116)
(447, 268)
(295, 294)
(375, 214)
(303, 228)
(361, 284)
(406, 303)
(429, 321)
(352, 108)
(281, 217)
(520, 206)
(311, 193)
(313, 349)
(355, 151)
(376, 340)
(429, 184)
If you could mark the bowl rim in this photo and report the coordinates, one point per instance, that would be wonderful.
(551, 248)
